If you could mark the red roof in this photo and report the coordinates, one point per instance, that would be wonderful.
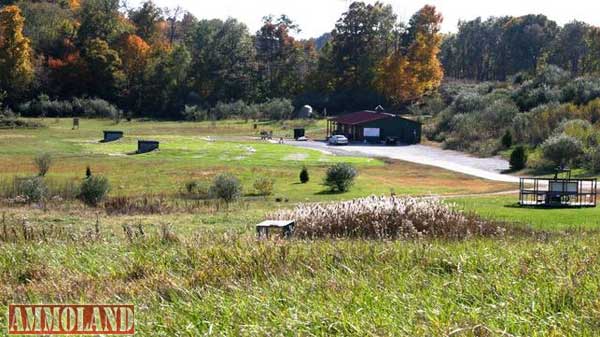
(360, 117)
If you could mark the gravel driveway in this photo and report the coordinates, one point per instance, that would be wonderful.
(486, 168)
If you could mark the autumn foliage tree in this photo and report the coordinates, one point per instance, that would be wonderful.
(414, 69)
(134, 56)
(16, 69)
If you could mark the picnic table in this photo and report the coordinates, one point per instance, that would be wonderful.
(286, 226)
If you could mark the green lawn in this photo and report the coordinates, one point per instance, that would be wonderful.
(506, 208)
(202, 150)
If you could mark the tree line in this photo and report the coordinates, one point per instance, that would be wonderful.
(500, 47)
(151, 61)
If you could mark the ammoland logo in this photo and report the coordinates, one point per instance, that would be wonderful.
(66, 319)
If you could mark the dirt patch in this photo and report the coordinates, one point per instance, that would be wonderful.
(296, 156)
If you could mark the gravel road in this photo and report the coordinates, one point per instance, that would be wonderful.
(486, 168)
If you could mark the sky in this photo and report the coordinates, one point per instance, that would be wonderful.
(316, 17)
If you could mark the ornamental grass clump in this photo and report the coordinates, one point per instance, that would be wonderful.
(386, 218)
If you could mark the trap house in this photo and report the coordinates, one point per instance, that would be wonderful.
(60, 319)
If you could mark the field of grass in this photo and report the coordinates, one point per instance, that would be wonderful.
(230, 284)
(199, 270)
(201, 151)
(506, 208)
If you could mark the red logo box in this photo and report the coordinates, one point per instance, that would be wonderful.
(71, 319)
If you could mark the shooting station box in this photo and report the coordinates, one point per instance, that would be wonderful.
(145, 146)
(298, 133)
(111, 136)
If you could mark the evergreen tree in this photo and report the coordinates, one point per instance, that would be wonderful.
(518, 158)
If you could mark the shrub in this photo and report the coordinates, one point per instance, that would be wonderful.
(581, 90)
(507, 139)
(561, 149)
(226, 187)
(94, 189)
(521, 127)
(578, 128)
(190, 186)
(43, 161)
(468, 102)
(195, 113)
(197, 189)
(340, 177)
(237, 109)
(518, 158)
(10, 120)
(592, 160)
(33, 189)
(277, 109)
(304, 177)
(386, 218)
(264, 186)
(42, 106)
(96, 107)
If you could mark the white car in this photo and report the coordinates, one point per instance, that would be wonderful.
(338, 140)
(302, 139)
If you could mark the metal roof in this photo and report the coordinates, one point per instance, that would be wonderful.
(360, 117)
(365, 116)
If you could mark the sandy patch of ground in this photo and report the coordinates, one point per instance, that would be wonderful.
(296, 156)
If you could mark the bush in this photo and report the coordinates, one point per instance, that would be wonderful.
(96, 107)
(42, 106)
(507, 140)
(197, 189)
(340, 177)
(518, 158)
(581, 91)
(264, 186)
(10, 120)
(304, 177)
(561, 149)
(277, 109)
(468, 102)
(237, 109)
(579, 129)
(33, 189)
(94, 189)
(195, 113)
(43, 161)
(226, 187)
(592, 160)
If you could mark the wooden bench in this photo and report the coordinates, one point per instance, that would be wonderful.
(286, 226)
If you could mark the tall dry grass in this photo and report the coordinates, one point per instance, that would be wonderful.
(387, 218)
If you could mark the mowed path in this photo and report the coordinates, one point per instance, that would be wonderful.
(486, 168)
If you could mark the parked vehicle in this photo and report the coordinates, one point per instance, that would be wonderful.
(338, 140)
(391, 141)
(302, 139)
